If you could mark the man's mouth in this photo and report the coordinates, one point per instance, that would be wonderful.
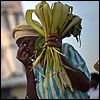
(32, 55)
(32, 58)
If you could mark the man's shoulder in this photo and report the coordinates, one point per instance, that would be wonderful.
(66, 45)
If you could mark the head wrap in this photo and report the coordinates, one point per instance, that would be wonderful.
(96, 66)
(23, 30)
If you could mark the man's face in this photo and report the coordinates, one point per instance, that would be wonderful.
(30, 44)
(92, 82)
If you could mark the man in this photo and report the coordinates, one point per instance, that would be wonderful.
(93, 92)
(25, 37)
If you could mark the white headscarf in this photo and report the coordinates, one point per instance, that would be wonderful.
(23, 30)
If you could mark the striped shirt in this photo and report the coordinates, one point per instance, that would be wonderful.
(55, 91)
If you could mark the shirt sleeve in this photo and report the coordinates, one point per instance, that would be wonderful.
(75, 58)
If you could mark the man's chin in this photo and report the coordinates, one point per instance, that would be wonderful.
(33, 57)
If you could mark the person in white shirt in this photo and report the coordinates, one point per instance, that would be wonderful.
(93, 92)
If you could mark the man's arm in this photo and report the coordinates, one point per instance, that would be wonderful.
(78, 78)
(22, 56)
(31, 84)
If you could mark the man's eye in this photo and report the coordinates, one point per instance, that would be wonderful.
(27, 42)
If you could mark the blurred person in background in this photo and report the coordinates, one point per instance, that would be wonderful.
(93, 92)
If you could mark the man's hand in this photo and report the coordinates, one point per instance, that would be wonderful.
(55, 39)
(22, 56)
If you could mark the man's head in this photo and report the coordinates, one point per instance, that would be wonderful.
(94, 80)
(95, 76)
(25, 34)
